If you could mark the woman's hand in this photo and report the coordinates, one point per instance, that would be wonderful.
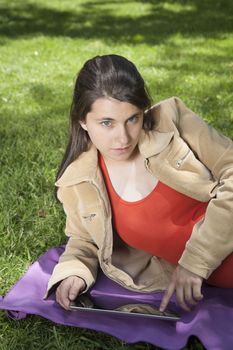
(187, 286)
(68, 290)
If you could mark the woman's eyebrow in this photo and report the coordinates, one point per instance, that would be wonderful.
(112, 119)
(134, 115)
(105, 118)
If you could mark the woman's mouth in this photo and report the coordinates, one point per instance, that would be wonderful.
(121, 149)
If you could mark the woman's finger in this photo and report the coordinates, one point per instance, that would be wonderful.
(63, 294)
(167, 296)
(180, 298)
(74, 289)
(197, 294)
(188, 295)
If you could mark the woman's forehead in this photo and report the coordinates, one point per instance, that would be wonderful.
(108, 107)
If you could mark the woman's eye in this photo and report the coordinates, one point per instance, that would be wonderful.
(106, 123)
(133, 119)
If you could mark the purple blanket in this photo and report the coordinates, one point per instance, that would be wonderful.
(211, 321)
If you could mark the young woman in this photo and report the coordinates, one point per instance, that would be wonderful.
(147, 191)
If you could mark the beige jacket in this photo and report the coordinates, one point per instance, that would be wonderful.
(184, 153)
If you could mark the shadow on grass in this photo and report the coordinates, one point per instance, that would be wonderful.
(98, 20)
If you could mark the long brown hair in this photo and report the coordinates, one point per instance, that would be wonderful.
(102, 76)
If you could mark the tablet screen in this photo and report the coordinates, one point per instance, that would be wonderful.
(85, 304)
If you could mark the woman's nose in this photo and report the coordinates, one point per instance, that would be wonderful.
(123, 136)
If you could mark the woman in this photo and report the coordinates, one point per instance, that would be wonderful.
(147, 191)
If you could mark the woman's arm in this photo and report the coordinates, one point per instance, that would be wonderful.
(212, 238)
(80, 255)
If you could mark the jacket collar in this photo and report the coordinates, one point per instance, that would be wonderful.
(154, 142)
(85, 168)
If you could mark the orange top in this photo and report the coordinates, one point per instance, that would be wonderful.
(160, 223)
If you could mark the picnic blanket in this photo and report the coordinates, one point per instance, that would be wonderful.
(211, 320)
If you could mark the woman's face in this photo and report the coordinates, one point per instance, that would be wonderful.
(114, 128)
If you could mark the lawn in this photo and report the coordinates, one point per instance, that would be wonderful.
(181, 47)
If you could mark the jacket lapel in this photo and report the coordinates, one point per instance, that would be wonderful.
(154, 142)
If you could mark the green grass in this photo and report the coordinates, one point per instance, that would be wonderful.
(182, 48)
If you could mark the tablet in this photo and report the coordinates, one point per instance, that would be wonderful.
(85, 304)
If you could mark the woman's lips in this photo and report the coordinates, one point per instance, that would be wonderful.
(121, 150)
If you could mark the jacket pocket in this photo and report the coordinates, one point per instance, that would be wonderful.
(182, 158)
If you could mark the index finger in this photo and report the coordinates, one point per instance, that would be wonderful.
(167, 296)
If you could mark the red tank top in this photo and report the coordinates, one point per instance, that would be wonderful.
(161, 223)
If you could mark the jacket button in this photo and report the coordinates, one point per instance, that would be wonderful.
(178, 163)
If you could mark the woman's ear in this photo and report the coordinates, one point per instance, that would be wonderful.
(83, 125)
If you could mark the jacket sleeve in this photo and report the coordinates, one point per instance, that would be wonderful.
(80, 255)
(212, 238)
